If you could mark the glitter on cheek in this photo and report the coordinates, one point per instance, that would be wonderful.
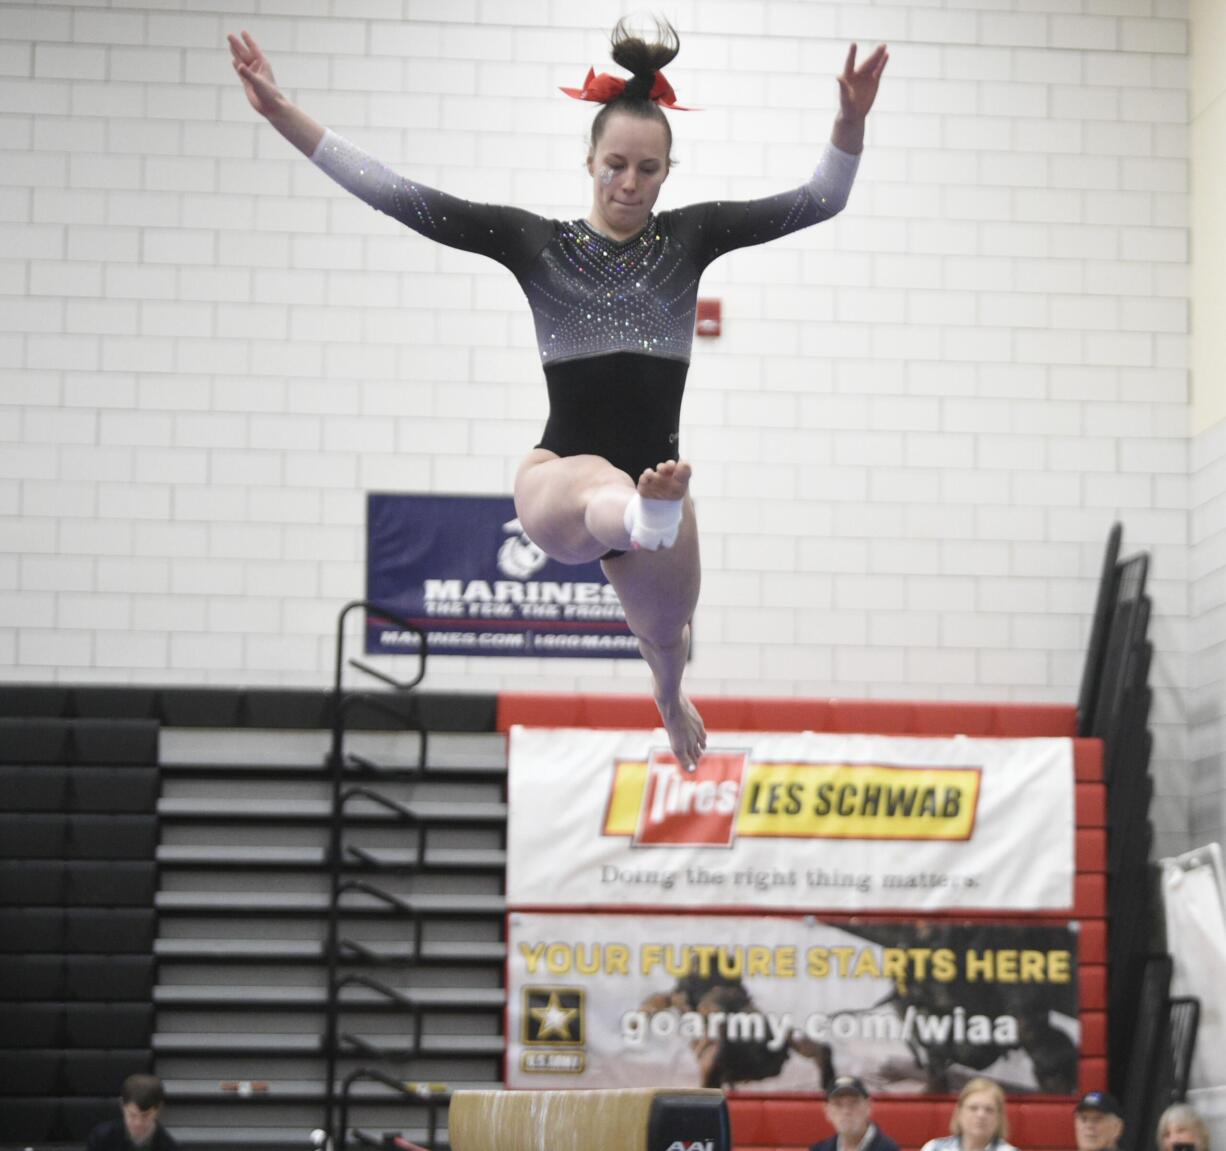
(606, 176)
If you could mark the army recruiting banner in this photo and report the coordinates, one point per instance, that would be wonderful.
(785, 1004)
(463, 570)
(790, 822)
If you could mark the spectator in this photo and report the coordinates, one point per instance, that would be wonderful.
(140, 1102)
(979, 1122)
(1181, 1126)
(1098, 1122)
(850, 1111)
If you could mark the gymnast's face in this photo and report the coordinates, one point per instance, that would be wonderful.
(628, 164)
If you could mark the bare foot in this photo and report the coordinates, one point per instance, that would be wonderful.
(653, 515)
(669, 480)
(686, 733)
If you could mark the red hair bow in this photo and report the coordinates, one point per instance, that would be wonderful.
(604, 88)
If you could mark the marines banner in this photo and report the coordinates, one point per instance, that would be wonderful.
(799, 821)
(786, 1004)
(463, 570)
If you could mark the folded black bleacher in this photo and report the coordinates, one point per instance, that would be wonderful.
(78, 1025)
(43, 835)
(58, 979)
(78, 841)
(77, 883)
(29, 740)
(70, 790)
(57, 1072)
(77, 931)
(89, 961)
(43, 1119)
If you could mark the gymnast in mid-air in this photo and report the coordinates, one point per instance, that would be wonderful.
(613, 298)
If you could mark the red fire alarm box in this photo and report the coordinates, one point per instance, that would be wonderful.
(708, 318)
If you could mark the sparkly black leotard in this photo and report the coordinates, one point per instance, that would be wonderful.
(614, 321)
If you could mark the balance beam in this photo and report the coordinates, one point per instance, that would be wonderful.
(637, 1119)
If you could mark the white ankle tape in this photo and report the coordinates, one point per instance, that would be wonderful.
(651, 523)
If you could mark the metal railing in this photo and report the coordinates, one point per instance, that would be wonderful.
(398, 708)
(432, 1094)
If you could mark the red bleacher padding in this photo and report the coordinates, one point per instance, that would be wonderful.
(1091, 805)
(800, 1122)
(999, 721)
(1093, 1074)
(1042, 1124)
(1093, 947)
(1093, 1032)
(1092, 986)
(1038, 1124)
(1091, 849)
(1089, 896)
(872, 717)
(1088, 760)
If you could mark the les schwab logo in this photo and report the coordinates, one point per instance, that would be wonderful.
(654, 803)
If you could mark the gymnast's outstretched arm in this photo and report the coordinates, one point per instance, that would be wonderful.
(710, 230)
(509, 235)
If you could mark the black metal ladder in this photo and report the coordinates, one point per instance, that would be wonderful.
(354, 777)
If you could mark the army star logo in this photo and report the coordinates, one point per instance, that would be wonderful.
(553, 1018)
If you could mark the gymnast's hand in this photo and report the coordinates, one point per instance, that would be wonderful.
(255, 72)
(857, 91)
(266, 98)
(858, 86)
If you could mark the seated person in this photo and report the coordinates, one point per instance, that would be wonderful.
(850, 1111)
(140, 1102)
(979, 1122)
(1098, 1122)
(1181, 1126)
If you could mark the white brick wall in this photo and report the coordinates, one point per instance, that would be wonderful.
(909, 444)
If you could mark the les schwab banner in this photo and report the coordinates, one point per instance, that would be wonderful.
(799, 821)
(463, 570)
(785, 1004)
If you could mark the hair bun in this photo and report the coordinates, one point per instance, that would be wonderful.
(641, 58)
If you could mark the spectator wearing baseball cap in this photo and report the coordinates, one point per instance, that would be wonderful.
(1098, 1122)
(979, 1122)
(850, 1111)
